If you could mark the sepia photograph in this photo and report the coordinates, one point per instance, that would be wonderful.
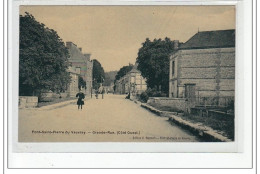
(127, 73)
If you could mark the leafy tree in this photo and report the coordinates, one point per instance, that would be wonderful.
(43, 59)
(98, 74)
(153, 62)
(108, 80)
(123, 71)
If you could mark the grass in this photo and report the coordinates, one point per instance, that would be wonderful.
(55, 100)
(225, 126)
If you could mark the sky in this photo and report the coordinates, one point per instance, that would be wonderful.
(113, 34)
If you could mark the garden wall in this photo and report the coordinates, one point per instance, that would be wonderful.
(176, 103)
(28, 101)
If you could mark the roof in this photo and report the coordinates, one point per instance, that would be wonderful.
(211, 39)
(134, 69)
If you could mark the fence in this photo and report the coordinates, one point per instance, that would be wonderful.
(216, 101)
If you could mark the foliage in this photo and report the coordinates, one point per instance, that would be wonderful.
(144, 97)
(153, 62)
(81, 83)
(43, 59)
(109, 77)
(231, 105)
(123, 71)
(98, 74)
(108, 80)
(154, 93)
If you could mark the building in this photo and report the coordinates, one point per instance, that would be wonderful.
(110, 88)
(122, 85)
(82, 63)
(202, 70)
(73, 86)
(132, 82)
(137, 83)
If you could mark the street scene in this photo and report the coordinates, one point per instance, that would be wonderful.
(112, 119)
(127, 73)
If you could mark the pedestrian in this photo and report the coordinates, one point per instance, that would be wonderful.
(103, 92)
(80, 101)
(96, 94)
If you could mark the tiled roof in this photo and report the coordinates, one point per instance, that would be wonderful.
(211, 39)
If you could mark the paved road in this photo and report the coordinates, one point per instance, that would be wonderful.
(112, 119)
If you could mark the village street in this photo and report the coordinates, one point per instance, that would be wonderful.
(112, 119)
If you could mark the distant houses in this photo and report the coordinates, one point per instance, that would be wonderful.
(132, 82)
(202, 70)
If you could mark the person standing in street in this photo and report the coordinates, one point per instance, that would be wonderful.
(96, 94)
(103, 92)
(80, 101)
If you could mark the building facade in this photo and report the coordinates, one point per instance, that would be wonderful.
(137, 84)
(132, 82)
(73, 86)
(82, 63)
(202, 70)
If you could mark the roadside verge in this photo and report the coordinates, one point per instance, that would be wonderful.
(198, 129)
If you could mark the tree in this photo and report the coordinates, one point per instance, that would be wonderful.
(98, 74)
(43, 59)
(123, 71)
(153, 62)
(109, 77)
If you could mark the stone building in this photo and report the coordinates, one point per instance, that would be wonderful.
(82, 63)
(202, 70)
(73, 86)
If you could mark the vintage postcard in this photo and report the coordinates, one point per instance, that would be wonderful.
(127, 73)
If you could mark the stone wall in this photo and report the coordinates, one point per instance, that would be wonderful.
(176, 103)
(211, 70)
(50, 96)
(28, 101)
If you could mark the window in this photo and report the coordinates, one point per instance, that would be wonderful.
(173, 67)
(78, 69)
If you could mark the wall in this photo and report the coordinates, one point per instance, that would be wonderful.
(212, 70)
(73, 87)
(176, 103)
(28, 101)
(139, 81)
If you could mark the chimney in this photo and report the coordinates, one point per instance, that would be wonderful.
(176, 44)
(68, 44)
(87, 56)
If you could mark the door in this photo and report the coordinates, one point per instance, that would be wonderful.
(190, 92)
